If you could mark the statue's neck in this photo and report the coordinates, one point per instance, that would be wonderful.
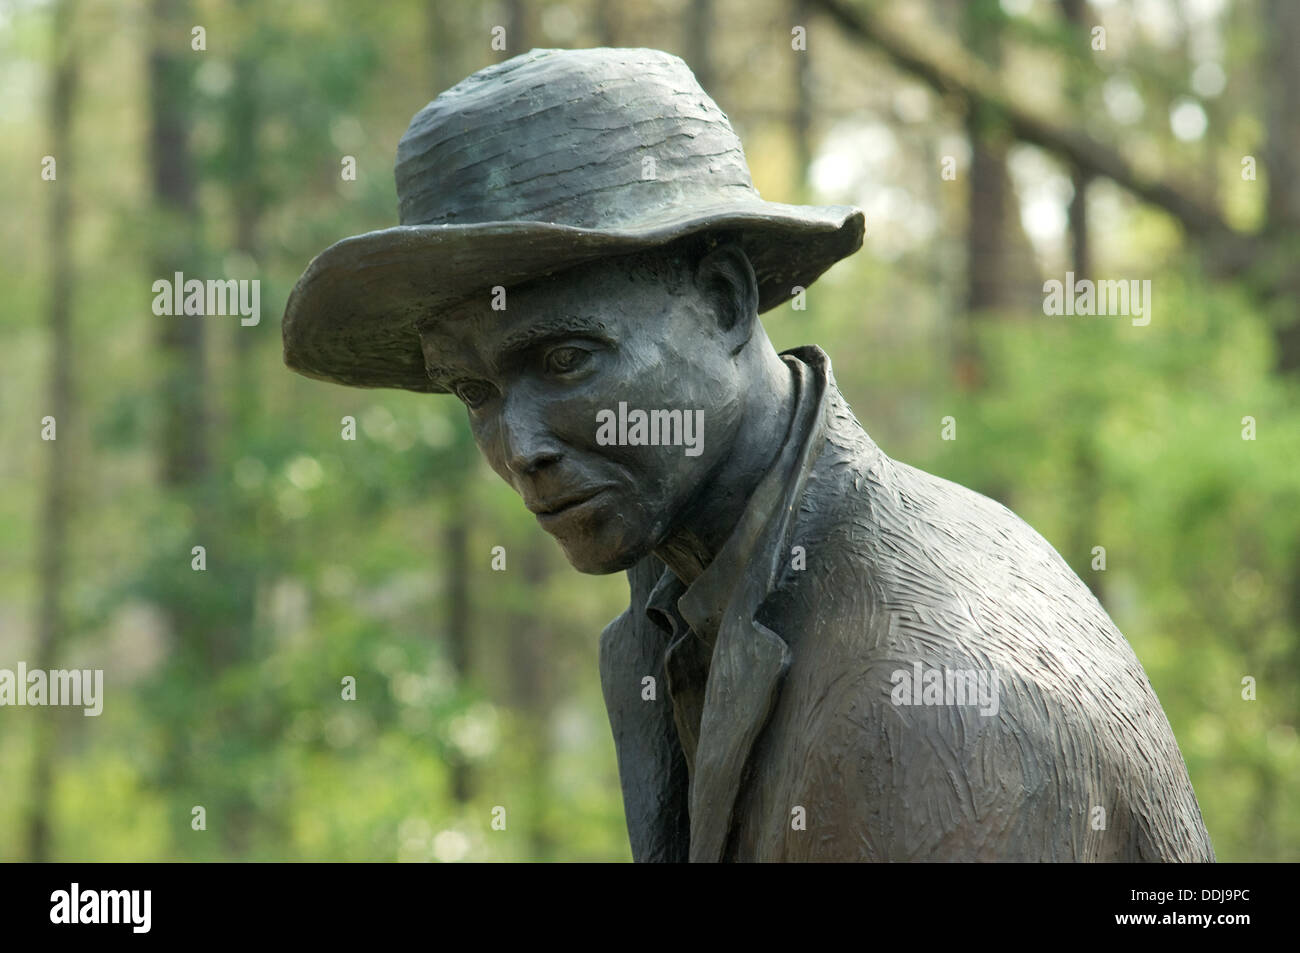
(708, 521)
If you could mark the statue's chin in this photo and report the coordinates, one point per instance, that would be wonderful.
(605, 541)
(597, 562)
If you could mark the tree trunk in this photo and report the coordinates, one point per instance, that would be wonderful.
(1085, 470)
(1075, 13)
(519, 34)
(50, 621)
(802, 117)
(531, 661)
(699, 43)
(607, 22)
(248, 198)
(184, 452)
(989, 197)
(1282, 160)
(459, 620)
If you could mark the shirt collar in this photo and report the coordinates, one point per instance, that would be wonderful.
(673, 606)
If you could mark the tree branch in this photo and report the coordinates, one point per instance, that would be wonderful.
(952, 73)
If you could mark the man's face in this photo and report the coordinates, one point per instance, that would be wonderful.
(543, 381)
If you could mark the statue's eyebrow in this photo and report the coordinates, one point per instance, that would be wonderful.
(525, 338)
(529, 336)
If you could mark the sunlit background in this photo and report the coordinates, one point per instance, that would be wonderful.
(992, 145)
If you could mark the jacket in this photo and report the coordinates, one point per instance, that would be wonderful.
(811, 696)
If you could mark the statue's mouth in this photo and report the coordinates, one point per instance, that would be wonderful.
(561, 506)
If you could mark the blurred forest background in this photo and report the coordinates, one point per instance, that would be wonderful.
(1170, 152)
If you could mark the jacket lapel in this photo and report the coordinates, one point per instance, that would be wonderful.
(747, 665)
(743, 682)
(749, 659)
(651, 767)
(687, 667)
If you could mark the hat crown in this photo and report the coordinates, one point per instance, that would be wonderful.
(589, 138)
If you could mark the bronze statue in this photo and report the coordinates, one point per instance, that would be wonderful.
(862, 661)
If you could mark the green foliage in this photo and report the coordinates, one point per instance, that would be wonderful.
(330, 558)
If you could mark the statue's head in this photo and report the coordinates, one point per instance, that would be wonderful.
(608, 396)
(604, 199)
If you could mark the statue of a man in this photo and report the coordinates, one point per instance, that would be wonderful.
(857, 660)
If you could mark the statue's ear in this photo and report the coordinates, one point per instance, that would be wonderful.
(727, 279)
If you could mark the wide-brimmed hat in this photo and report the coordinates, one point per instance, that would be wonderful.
(542, 162)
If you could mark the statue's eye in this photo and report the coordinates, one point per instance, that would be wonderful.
(472, 393)
(565, 360)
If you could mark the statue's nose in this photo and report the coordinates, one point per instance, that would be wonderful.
(526, 441)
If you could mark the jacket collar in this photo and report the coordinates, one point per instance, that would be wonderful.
(722, 699)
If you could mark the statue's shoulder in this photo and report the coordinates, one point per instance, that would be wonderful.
(911, 551)
(904, 521)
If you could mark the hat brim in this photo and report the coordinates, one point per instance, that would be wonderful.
(352, 316)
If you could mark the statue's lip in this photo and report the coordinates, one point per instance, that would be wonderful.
(556, 505)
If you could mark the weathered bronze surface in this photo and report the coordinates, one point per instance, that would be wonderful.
(828, 654)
